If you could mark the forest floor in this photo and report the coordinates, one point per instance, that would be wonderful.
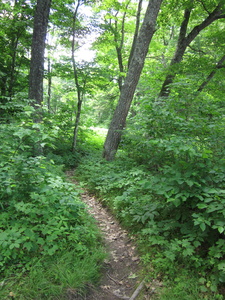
(122, 276)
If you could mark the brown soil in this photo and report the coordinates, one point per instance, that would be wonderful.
(121, 278)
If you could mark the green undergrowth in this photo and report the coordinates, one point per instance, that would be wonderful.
(50, 247)
(176, 213)
(61, 276)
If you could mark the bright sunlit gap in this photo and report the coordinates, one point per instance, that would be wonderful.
(83, 53)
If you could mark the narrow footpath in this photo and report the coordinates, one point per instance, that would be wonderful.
(121, 278)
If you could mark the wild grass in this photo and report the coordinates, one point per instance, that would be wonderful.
(59, 277)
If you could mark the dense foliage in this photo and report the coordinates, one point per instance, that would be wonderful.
(176, 211)
(167, 184)
(43, 222)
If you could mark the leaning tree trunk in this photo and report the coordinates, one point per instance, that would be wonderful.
(37, 52)
(135, 68)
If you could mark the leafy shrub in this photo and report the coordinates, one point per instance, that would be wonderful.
(179, 209)
(41, 214)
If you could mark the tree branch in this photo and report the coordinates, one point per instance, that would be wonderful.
(214, 15)
(211, 75)
(184, 41)
(203, 5)
(196, 50)
(180, 49)
(137, 291)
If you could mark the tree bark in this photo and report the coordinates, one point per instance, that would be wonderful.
(37, 52)
(118, 122)
(184, 41)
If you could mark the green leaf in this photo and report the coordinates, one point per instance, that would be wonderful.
(189, 251)
(52, 250)
(190, 183)
(203, 226)
(196, 244)
(221, 266)
(28, 245)
(40, 241)
(14, 245)
(202, 205)
(221, 229)
(203, 289)
(202, 280)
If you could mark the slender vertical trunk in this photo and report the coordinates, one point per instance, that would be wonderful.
(79, 94)
(14, 45)
(76, 126)
(49, 85)
(16, 33)
(119, 42)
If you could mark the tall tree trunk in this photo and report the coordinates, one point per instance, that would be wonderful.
(185, 40)
(37, 52)
(136, 65)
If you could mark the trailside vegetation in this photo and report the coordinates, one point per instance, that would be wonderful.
(50, 246)
(166, 180)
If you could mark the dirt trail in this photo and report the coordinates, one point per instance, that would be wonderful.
(121, 278)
